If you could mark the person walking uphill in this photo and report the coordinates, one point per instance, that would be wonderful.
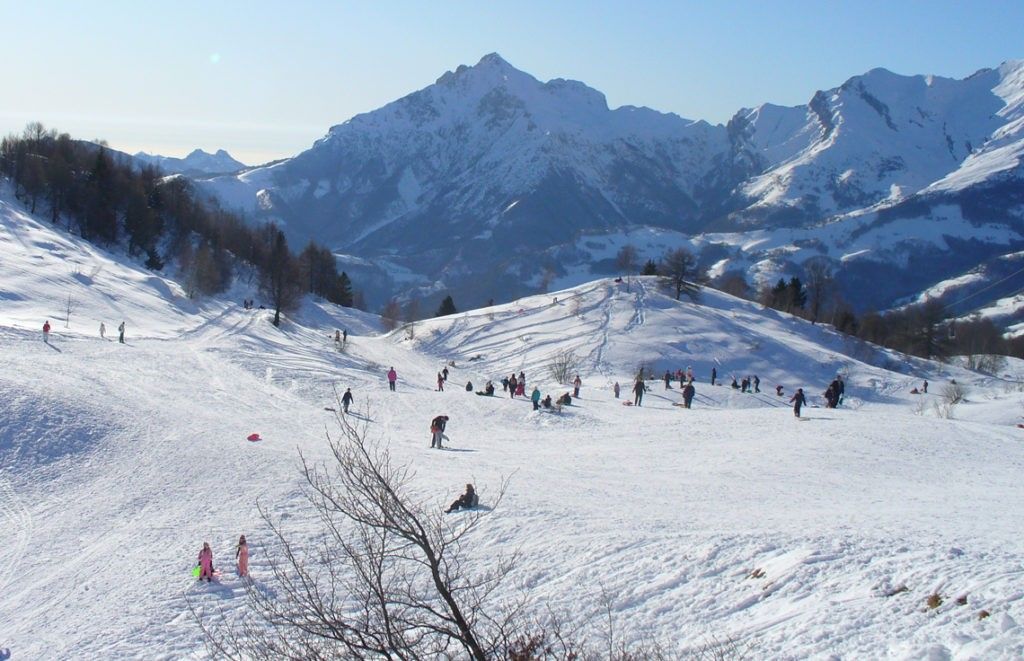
(242, 556)
(206, 563)
(392, 377)
(638, 392)
(798, 400)
(46, 332)
(576, 383)
(535, 398)
(120, 333)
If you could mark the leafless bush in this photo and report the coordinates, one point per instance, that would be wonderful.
(988, 363)
(390, 578)
(563, 365)
(954, 393)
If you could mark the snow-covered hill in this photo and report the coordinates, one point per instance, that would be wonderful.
(489, 183)
(819, 538)
(197, 163)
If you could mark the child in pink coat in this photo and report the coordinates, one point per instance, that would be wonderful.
(242, 555)
(206, 563)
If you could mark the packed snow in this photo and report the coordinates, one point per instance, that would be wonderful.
(821, 537)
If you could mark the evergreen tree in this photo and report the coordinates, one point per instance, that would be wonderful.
(650, 268)
(447, 307)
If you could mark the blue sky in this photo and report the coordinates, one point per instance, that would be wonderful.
(265, 79)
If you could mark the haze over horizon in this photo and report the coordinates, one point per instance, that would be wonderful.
(264, 82)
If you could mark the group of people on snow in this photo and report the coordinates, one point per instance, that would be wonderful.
(205, 560)
(103, 332)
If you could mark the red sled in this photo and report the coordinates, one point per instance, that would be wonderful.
(254, 437)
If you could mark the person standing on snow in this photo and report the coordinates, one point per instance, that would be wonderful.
(346, 400)
(46, 332)
(576, 383)
(206, 563)
(798, 400)
(440, 382)
(757, 384)
(444, 373)
(120, 333)
(615, 389)
(638, 392)
(242, 556)
(688, 392)
(714, 375)
(512, 383)
(437, 426)
(841, 390)
(103, 331)
(668, 380)
(535, 398)
(392, 377)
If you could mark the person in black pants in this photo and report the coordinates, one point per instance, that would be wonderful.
(638, 392)
(798, 400)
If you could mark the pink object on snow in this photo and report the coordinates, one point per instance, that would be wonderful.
(206, 563)
(254, 437)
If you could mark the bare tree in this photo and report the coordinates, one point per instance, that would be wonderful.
(563, 365)
(735, 284)
(627, 259)
(70, 306)
(820, 283)
(389, 580)
(390, 314)
(679, 274)
(411, 316)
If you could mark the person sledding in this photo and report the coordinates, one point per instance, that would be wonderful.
(206, 563)
(466, 501)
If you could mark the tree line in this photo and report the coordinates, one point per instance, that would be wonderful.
(111, 200)
(922, 329)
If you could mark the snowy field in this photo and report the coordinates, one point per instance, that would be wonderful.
(816, 538)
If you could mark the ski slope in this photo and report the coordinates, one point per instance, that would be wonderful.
(732, 520)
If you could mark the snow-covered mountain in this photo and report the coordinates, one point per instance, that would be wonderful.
(197, 163)
(489, 183)
(814, 538)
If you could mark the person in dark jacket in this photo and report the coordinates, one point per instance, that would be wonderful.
(841, 390)
(757, 384)
(466, 501)
(504, 384)
(688, 392)
(513, 383)
(638, 392)
(444, 373)
(469, 386)
(346, 400)
(798, 400)
(668, 380)
(437, 426)
(714, 375)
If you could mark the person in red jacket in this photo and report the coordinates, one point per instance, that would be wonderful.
(46, 332)
(392, 377)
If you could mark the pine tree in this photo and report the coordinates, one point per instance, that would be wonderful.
(650, 268)
(447, 307)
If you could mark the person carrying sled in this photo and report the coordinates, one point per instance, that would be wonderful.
(437, 426)
(638, 392)
(206, 563)
(688, 393)
(535, 398)
(798, 400)
(242, 556)
(466, 501)
(576, 383)
(46, 332)
(392, 378)
(346, 400)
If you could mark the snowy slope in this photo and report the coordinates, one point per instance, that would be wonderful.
(118, 461)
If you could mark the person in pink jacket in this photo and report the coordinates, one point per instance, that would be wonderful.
(206, 563)
(242, 555)
(392, 377)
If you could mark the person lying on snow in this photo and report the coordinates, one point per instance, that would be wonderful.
(466, 501)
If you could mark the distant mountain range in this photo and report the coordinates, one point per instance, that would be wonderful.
(490, 184)
(197, 163)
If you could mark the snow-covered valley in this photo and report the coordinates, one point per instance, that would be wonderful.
(815, 538)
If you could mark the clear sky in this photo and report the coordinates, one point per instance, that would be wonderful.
(265, 79)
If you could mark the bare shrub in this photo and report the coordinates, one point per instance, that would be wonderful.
(954, 393)
(563, 365)
(390, 577)
(933, 601)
